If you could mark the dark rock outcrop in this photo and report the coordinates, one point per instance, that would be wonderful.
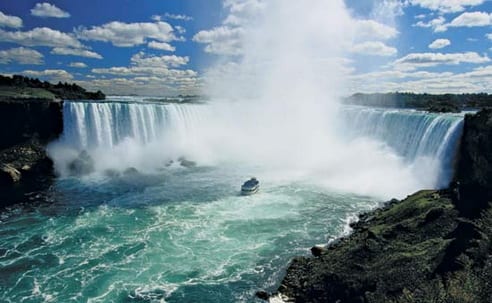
(82, 165)
(26, 126)
(21, 120)
(24, 168)
(474, 171)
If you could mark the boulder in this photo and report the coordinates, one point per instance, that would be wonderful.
(9, 175)
(82, 165)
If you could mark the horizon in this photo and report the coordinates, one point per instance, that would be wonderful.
(167, 49)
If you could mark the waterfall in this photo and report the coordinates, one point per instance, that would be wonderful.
(416, 136)
(407, 150)
(104, 125)
(129, 133)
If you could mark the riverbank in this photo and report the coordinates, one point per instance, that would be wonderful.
(433, 246)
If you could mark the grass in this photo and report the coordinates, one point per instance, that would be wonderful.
(25, 93)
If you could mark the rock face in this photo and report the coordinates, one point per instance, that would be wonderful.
(26, 126)
(474, 171)
(434, 246)
(21, 120)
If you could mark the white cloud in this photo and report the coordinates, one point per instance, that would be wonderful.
(40, 36)
(66, 51)
(10, 21)
(489, 36)
(374, 48)
(437, 24)
(21, 55)
(128, 34)
(178, 17)
(180, 29)
(161, 45)
(149, 75)
(78, 65)
(446, 6)
(470, 19)
(222, 40)
(142, 60)
(417, 60)
(52, 75)
(373, 30)
(48, 10)
(439, 43)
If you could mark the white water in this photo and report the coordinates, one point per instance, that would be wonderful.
(385, 153)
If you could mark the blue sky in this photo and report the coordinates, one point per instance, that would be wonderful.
(165, 47)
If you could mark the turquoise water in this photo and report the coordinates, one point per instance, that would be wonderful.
(182, 235)
(173, 234)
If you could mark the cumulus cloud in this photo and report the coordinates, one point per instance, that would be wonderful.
(477, 80)
(151, 72)
(373, 30)
(375, 48)
(447, 6)
(10, 21)
(437, 24)
(52, 75)
(161, 45)
(142, 60)
(418, 60)
(470, 19)
(45, 10)
(21, 55)
(78, 65)
(128, 34)
(40, 36)
(221, 40)
(178, 17)
(67, 51)
(439, 43)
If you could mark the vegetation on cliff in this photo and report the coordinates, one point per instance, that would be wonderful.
(20, 87)
(429, 102)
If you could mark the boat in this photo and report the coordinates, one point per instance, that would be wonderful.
(250, 187)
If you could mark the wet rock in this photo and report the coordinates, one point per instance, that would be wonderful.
(263, 295)
(318, 250)
(186, 163)
(131, 171)
(9, 175)
(82, 165)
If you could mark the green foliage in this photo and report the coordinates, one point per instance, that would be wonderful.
(429, 102)
(19, 86)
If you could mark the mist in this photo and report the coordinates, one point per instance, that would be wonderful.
(275, 107)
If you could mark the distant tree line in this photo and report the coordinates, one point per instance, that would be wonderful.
(429, 102)
(61, 90)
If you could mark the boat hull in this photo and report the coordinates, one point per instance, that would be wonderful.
(249, 192)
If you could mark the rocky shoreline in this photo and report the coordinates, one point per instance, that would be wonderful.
(433, 246)
(26, 127)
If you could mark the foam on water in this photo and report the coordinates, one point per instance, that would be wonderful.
(207, 244)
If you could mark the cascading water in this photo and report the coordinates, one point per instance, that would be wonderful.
(119, 135)
(149, 135)
(421, 139)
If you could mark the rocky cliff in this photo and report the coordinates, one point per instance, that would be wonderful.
(434, 246)
(26, 126)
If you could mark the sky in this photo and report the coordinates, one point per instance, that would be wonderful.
(167, 47)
